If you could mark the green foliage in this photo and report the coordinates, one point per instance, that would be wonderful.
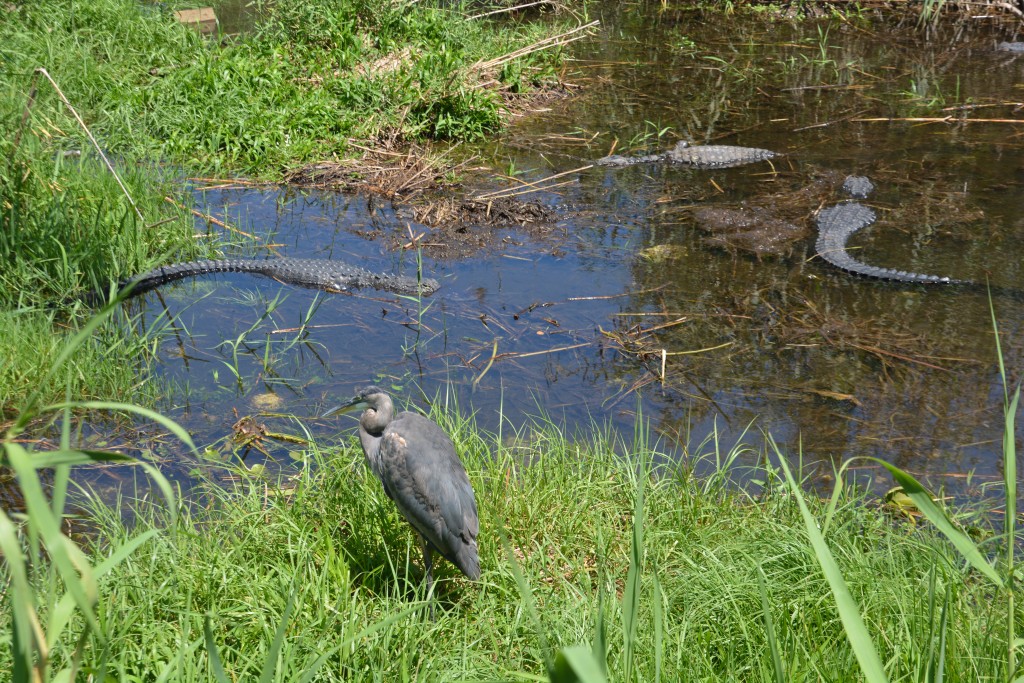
(66, 228)
(312, 75)
(36, 550)
(664, 577)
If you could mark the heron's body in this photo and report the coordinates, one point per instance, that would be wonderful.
(421, 472)
(416, 462)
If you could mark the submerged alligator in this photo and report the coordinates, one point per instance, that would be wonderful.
(836, 224)
(330, 276)
(696, 156)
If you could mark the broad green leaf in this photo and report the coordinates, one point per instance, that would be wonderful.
(923, 499)
(27, 635)
(70, 562)
(66, 607)
(576, 664)
(51, 459)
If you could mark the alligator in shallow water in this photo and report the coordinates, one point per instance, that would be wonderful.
(331, 276)
(696, 156)
(836, 224)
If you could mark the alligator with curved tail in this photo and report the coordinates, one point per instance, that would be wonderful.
(836, 224)
(331, 276)
(696, 156)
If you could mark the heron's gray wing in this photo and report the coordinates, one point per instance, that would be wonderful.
(429, 485)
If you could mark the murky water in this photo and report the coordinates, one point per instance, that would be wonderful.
(574, 323)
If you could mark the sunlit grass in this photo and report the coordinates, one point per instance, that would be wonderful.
(655, 570)
(312, 76)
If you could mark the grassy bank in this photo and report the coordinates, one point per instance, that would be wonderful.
(67, 227)
(311, 77)
(669, 576)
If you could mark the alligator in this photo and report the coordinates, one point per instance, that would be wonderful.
(331, 276)
(696, 156)
(836, 224)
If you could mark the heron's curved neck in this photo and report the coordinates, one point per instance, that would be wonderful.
(371, 428)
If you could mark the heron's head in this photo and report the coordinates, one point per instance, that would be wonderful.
(366, 397)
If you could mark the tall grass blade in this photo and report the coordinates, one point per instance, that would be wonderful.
(27, 413)
(1010, 518)
(270, 665)
(631, 593)
(69, 560)
(600, 647)
(849, 613)
(1009, 493)
(769, 627)
(659, 629)
(216, 666)
(926, 504)
(940, 671)
(54, 459)
(26, 635)
(527, 596)
(65, 608)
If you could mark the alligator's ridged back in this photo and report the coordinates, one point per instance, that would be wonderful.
(698, 156)
(835, 226)
(319, 273)
(717, 156)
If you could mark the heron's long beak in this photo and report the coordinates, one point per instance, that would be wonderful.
(344, 407)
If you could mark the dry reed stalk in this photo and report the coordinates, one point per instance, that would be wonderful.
(941, 119)
(560, 39)
(67, 103)
(510, 9)
(531, 187)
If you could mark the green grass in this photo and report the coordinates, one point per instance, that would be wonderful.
(67, 228)
(658, 571)
(313, 75)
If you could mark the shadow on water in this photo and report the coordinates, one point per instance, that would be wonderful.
(633, 299)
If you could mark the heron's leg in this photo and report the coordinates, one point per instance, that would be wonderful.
(428, 565)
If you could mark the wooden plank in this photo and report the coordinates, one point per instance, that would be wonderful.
(202, 19)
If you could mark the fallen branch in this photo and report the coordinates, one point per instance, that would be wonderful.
(532, 187)
(943, 119)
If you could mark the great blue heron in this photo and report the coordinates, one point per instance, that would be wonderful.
(416, 462)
